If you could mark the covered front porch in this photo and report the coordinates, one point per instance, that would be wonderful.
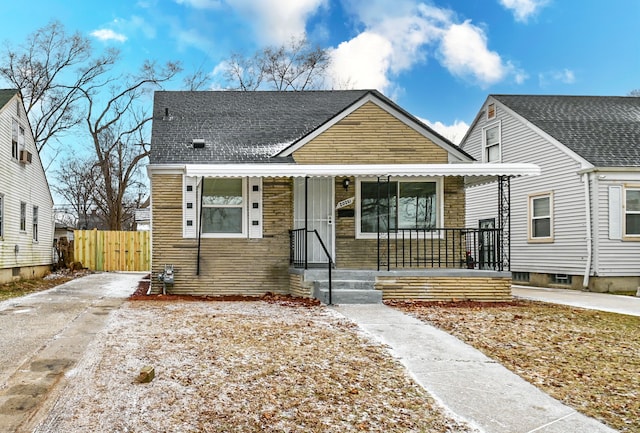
(389, 231)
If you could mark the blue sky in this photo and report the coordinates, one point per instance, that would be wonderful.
(438, 59)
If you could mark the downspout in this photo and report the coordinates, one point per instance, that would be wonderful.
(200, 223)
(587, 204)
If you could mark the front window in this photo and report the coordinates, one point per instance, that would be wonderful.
(632, 212)
(223, 206)
(540, 221)
(492, 144)
(35, 223)
(389, 206)
(23, 217)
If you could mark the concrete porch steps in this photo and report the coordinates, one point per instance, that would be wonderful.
(348, 287)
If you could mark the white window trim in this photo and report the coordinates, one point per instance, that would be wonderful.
(245, 213)
(625, 235)
(531, 198)
(439, 180)
(484, 141)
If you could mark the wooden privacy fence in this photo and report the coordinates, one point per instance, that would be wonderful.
(112, 250)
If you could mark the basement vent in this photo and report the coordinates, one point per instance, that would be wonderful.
(561, 279)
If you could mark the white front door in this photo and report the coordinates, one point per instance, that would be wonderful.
(320, 215)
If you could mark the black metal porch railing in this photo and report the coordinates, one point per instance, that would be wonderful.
(298, 255)
(469, 248)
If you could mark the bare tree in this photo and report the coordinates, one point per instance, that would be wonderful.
(197, 80)
(76, 184)
(49, 69)
(117, 125)
(293, 66)
(634, 92)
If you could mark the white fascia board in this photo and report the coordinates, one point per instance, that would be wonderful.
(329, 170)
(165, 169)
(418, 127)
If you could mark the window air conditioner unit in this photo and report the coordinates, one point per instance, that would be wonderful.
(25, 157)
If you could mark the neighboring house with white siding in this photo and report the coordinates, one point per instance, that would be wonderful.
(578, 223)
(26, 205)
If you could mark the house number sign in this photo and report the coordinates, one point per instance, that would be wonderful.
(346, 202)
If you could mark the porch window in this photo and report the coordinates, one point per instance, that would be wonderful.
(491, 145)
(540, 220)
(223, 206)
(397, 205)
(632, 211)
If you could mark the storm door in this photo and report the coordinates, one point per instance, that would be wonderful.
(320, 215)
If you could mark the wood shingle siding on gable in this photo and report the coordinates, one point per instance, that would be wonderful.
(370, 135)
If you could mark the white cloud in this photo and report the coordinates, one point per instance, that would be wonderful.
(523, 9)
(362, 62)
(454, 133)
(465, 53)
(108, 35)
(565, 76)
(415, 31)
(200, 4)
(277, 21)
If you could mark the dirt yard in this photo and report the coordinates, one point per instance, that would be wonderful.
(262, 366)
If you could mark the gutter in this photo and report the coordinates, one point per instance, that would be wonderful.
(587, 203)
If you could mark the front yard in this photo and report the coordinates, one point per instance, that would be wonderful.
(240, 367)
(589, 360)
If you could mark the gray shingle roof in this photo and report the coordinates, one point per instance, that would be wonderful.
(238, 126)
(247, 127)
(604, 130)
(6, 95)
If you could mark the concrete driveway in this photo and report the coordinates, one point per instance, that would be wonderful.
(593, 301)
(44, 334)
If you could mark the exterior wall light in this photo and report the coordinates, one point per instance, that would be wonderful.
(345, 183)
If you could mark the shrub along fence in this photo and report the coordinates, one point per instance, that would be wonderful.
(101, 250)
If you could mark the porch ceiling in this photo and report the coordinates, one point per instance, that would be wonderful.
(331, 170)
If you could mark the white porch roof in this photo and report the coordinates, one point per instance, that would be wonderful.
(331, 170)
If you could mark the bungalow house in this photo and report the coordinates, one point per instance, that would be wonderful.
(26, 205)
(577, 225)
(296, 192)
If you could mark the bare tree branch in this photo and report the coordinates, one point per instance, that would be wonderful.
(49, 69)
(294, 66)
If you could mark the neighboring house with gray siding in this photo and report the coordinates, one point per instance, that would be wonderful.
(578, 223)
(26, 206)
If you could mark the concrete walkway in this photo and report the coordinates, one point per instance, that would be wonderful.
(472, 386)
(576, 298)
(43, 335)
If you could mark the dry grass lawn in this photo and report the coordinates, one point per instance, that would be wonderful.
(240, 367)
(589, 360)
